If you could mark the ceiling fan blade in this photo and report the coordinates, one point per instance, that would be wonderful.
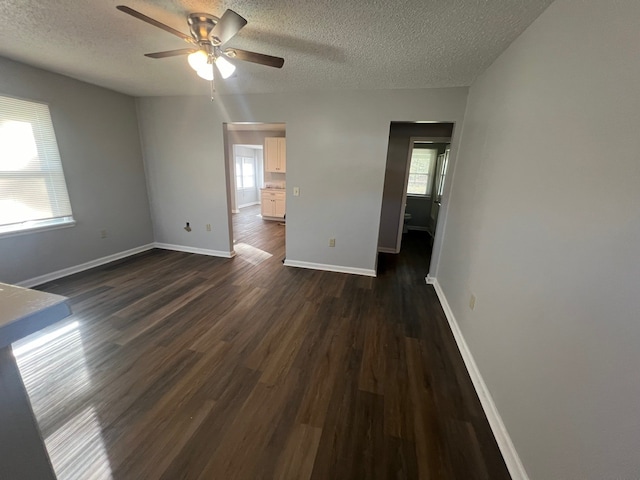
(155, 23)
(254, 57)
(229, 24)
(171, 53)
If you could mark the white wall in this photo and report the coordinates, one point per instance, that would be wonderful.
(99, 145)
(336, 151)
(544, 227)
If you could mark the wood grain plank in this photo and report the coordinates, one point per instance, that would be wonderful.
(299, 454)
(182, 366)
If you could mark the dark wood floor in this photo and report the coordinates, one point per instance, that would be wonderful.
(177, 366)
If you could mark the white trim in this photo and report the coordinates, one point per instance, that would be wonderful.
(387, 250)
(199, 251)
(40, 228)
(48, 277)
(431, 281)
(509, 453)
(330, 268)
(235, 211)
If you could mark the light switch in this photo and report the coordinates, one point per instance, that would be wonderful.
(296, 191)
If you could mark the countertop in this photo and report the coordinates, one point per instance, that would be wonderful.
(24, 311)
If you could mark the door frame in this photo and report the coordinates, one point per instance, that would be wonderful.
(412, 142)
(228, 133)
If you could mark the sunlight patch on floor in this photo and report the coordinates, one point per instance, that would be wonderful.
(53, 367)
(52, 364)
(253, 255)
(77, 449)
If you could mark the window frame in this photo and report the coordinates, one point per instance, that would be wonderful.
(430, 174)
(240, 174)
(38, 225)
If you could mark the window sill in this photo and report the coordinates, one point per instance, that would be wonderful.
(36, 229)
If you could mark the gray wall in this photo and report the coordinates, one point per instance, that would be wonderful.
(549, 239)
(336, 154)
(99, 145)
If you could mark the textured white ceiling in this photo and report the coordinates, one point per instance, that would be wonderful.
(327, 44)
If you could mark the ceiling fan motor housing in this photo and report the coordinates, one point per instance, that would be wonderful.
(201, 25)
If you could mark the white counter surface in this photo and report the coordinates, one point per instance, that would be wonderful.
(24, 311)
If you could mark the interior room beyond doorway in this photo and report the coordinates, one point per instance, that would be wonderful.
(256, 160)
(415, 176)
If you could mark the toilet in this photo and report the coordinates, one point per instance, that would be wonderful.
(407, 218)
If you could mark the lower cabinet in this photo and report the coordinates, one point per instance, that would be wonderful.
(273, 204)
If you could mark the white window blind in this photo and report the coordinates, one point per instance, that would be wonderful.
(33, 192)
(421, 171)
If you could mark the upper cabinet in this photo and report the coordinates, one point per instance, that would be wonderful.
(275, 154)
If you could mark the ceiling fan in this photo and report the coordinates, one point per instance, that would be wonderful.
(208, 36)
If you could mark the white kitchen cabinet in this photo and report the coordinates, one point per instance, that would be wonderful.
(275, 154)
(273, 203)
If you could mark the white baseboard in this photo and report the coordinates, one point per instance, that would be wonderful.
(48, 277)
(509, 453)
(330, 268)
(387, 250)
(200, 251)
(431, 281)
(235, 211)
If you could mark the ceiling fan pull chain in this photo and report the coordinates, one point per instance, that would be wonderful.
(212, 90)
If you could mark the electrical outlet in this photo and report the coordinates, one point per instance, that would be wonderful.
(103, 234)
(332, 242)
(208, 227)
(472, 302)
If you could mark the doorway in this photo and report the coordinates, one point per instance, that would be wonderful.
(257, 228)
(427, 167)
(415, 176)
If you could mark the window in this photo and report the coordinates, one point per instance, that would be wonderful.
(245, 172)
(33, 192)
(421, 171)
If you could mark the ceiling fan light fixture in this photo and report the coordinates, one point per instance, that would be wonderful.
(225, 67)
(198, 60)
(208, 35)
(206, 72)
